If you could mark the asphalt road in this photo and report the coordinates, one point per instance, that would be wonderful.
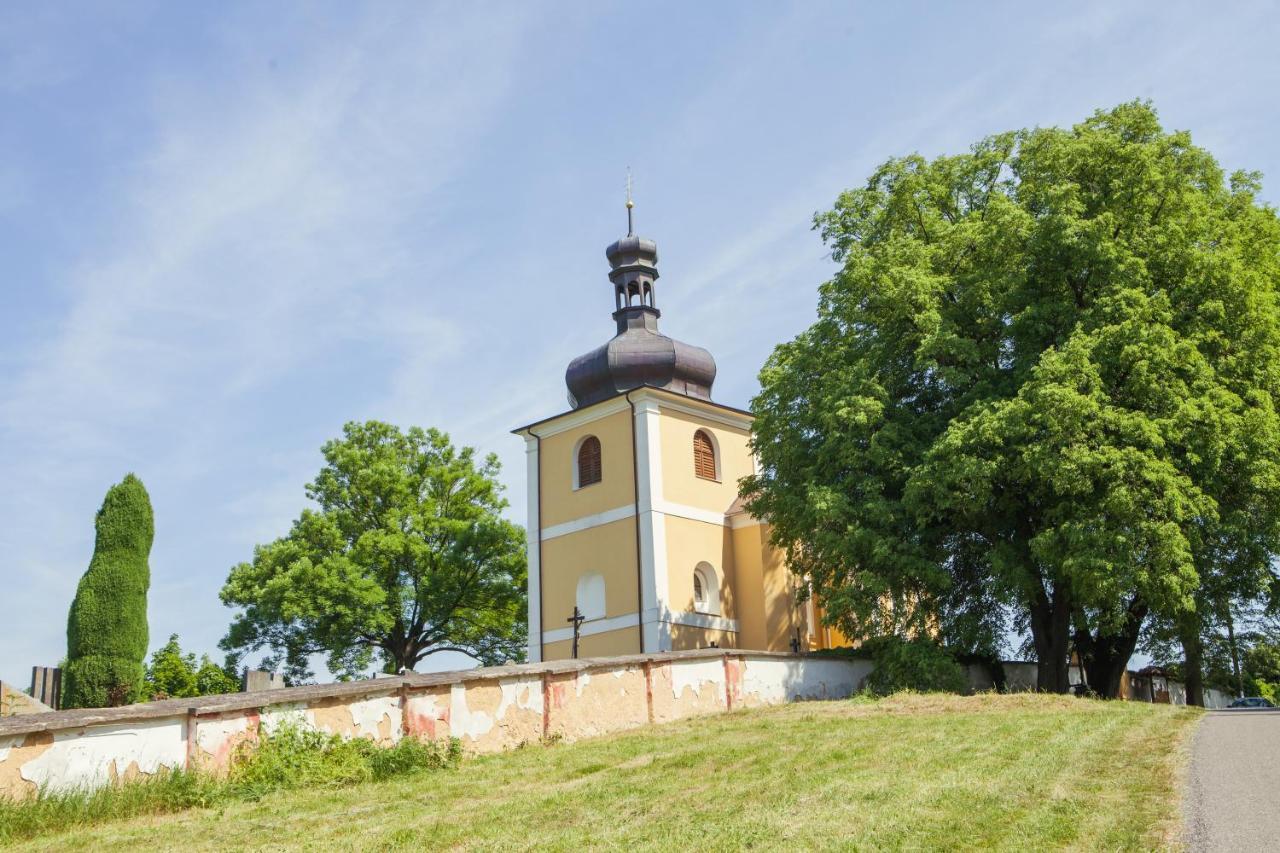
(1233, 796)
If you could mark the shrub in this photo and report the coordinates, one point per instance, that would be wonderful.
(920, 665)
(292, 757)
(107, 625)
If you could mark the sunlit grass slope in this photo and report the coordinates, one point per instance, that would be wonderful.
(1010, 772)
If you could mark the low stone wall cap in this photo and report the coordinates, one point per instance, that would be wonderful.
(228, 702)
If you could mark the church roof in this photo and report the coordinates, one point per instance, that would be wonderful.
(638, 355)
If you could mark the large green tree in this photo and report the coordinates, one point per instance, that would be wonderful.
(1046, 375)
(107, 625)
(406, 555)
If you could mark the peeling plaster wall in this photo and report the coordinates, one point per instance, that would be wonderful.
(217, 738)
(377, 718)
(688, 688)
(597, 702)
(90, 757)
(486, 710)
(489, 717)
(427, 713)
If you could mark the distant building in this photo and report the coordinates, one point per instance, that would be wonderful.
(634, 514)
(14, 703)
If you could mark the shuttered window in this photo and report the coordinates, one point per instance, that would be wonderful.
(704, 456)
(589, 461)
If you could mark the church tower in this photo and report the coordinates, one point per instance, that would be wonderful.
(634, 517)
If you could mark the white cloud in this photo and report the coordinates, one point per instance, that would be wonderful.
(266, 227)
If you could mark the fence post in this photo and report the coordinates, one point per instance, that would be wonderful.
(647, 666)
(193, 730)
(405, 728)
(728, 683)
(546, 705)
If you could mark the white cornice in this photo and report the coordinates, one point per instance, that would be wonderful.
(588, 521)
(692, 513)
(701, 620)
(667, 508)
(596, 626)
(690, 406)
(576, 418)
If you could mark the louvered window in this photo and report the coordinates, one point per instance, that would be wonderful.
(704, 456)
(589, 461)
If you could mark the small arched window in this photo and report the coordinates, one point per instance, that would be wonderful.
(704, 456)
(590, 596)
(706, 589)
(588, 462)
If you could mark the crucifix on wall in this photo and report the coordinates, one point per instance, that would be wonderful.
(577, 619)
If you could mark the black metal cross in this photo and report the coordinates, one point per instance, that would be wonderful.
(577, 619)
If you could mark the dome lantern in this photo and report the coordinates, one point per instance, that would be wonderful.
(637, 355)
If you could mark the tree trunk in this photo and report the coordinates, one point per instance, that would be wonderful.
(1193, 654)
(1106, 656)
(1235, 653)
(1051, 634)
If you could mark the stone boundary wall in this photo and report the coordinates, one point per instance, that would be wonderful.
(488, 710)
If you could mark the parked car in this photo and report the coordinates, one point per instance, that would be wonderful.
(1251, 702)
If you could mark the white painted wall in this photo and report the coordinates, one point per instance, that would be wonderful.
(90, 757)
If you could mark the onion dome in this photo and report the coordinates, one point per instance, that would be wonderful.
(638, 355)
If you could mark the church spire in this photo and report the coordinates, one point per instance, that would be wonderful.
(630, 204)
(638, 355)
(634, 262)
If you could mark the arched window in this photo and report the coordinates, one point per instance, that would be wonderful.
(588, 462)
(706, 589)
(590, 596)
(704, 456)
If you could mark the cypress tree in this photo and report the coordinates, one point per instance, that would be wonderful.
(107, 626)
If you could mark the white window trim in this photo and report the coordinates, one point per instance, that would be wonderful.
(711, 606)
(577, 448)
(715, 452)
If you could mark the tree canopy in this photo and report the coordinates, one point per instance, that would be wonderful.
(107, 625)
(175, 674)
(1045, 376)
(406, 555)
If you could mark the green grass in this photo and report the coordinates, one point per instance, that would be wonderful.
(907, 772)
(288, 759)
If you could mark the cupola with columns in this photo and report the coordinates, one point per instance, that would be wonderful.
(638, 355)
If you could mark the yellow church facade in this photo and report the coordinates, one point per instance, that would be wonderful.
(635, 528)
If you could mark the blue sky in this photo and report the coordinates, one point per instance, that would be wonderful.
(227, 229)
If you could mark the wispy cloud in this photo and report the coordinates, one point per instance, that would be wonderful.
(269, 224)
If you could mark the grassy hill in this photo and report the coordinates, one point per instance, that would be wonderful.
(1011, 772)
